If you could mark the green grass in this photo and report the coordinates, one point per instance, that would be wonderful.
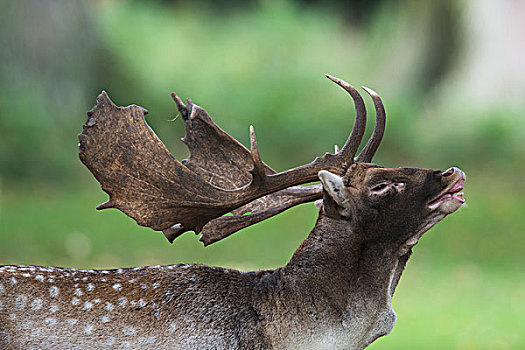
(457, 306)
(52, 226)
(463, 288)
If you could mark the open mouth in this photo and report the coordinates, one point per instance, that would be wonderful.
(453, 192)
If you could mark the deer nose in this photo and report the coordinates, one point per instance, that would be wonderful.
(450, 171)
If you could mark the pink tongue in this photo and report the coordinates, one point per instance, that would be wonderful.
(457, 187)
(459, 197)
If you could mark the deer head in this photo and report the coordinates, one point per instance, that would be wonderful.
(392, 204)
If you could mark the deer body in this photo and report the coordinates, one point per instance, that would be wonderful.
(304, 305)
(146, 308)
(335, 292)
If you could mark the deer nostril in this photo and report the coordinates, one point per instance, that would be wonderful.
(449, 171)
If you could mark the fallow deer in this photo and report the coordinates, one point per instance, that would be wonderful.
(335, 292)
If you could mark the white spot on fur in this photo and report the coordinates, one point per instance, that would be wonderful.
(39, 278)
(36, 304)
(26, 275)
(53, 291)
(1, 305)
(1, 288)
(90, 287)
(117, 286)
(128, 331)
(51, 280)
(12, 281)
(27, 324)
(50, 321)
(71, 321)
(20, 302)
(78, 292)
(146, 340)
(88, 329)
(53, 309)
(108, 307)
(75, 301)
(12, 316)
(110, 341)
(169, 294)
(144, 286)
(105, 319)
(142, 303)
(156, 285)
(132, 280)
(88, 305)
(122, 302)
(96, 301)
(173, 327)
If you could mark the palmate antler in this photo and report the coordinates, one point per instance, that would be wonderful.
(220, 176)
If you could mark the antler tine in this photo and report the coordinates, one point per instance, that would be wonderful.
(354, 139)
(180, 105)
(367, 153)
(267, 183)
(258, 171)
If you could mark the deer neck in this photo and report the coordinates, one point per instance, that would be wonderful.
(337, 274)
(334, 250)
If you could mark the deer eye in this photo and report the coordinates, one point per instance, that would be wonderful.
(379, 187)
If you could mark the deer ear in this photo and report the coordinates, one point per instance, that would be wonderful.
(334, 186)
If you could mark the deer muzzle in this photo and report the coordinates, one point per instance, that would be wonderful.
(452, 194)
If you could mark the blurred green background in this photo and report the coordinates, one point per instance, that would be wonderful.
(450, 74)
